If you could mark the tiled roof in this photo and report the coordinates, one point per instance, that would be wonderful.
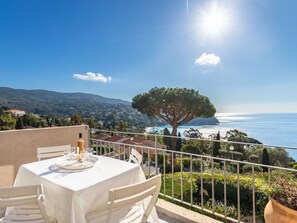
(114, 138)
(102, 136)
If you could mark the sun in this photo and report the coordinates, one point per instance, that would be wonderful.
(215, 21)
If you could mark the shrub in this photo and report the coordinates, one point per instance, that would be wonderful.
(254, 158)
(246, 192)
(248, 168)
(294, 166)
(219, 207)
(161, 158)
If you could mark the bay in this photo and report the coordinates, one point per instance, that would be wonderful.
(275, 129)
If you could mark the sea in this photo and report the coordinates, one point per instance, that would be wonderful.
(273, 129)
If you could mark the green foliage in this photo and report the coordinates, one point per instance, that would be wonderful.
(216, 146)
(246, 168)
(122, 126)
(7, 121)
(238, 136)
(167, 140)
(176, 106)
(61, 105)
(178, 142)
(254, 158)
(29, 120)
(245, 187)
(186, 185)
(161, 158)
(196, 163)
(294, 166)
(279, 157)
(19, 123)
(193, 133)
(230, 154)
(76, 119)
(265, 159)
(91, 122)
(191, 146)
(219, 207)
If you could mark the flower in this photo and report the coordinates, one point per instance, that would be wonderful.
(285, 193)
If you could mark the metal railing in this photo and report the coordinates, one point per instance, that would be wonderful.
(197, 181)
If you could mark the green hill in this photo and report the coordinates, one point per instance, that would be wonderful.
(58, 104)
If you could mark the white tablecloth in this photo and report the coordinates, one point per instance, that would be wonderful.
(69, 196)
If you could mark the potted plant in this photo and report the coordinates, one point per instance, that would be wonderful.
(282, 205)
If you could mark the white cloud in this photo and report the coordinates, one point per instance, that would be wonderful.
(208, 59)
(90, 76)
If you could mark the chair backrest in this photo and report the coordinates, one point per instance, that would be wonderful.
(22, 196)
(50, 152)
(135, 157)
(128, 196)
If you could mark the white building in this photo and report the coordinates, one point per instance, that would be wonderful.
(16, 113)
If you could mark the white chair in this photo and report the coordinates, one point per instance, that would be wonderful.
(50, 152)
(24, 203)
(135, 157)
(129, 203)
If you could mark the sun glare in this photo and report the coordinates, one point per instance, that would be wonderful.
(215, 21)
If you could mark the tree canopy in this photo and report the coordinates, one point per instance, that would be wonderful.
(193, 133)
(176, 106)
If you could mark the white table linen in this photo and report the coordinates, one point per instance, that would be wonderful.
(70, 195)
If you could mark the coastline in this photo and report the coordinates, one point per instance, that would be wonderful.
(272, 129)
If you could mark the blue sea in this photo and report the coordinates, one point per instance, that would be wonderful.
(276, 129)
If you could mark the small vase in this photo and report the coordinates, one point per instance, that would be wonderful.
(277, 213)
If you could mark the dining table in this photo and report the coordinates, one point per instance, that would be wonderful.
(70, 194)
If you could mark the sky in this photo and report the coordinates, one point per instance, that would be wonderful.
(239, 53)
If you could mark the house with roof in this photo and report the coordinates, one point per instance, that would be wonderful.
(16, 112)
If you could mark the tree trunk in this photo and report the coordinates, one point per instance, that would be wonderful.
(174, 131)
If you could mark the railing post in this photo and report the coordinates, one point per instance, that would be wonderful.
(212, 187)
(172, 174)
(201, 182)
(191, 178)
(181, 178)
(225, 191)
(238, 194)
(149, 162)
(254, 199)
(156, 156)
(164, 171)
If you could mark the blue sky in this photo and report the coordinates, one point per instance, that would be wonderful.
(241, 54)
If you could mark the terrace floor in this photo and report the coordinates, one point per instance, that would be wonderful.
(172, 213)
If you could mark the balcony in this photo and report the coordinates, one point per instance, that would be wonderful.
(206, 185)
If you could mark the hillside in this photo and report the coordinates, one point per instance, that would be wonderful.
(58, 104)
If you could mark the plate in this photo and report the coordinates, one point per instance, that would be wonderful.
(76, 165)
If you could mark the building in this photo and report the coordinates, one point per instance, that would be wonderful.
(15, 112)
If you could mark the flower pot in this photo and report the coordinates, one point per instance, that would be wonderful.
(277, 213)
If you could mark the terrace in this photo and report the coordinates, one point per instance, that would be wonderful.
(209, 186)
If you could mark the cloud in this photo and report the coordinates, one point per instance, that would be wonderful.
(90, 76)
(208, 59)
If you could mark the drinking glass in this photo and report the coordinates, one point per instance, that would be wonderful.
(72, 152)
(89, 153)
(66, 154)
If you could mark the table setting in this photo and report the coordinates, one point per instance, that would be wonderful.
(78, 183)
